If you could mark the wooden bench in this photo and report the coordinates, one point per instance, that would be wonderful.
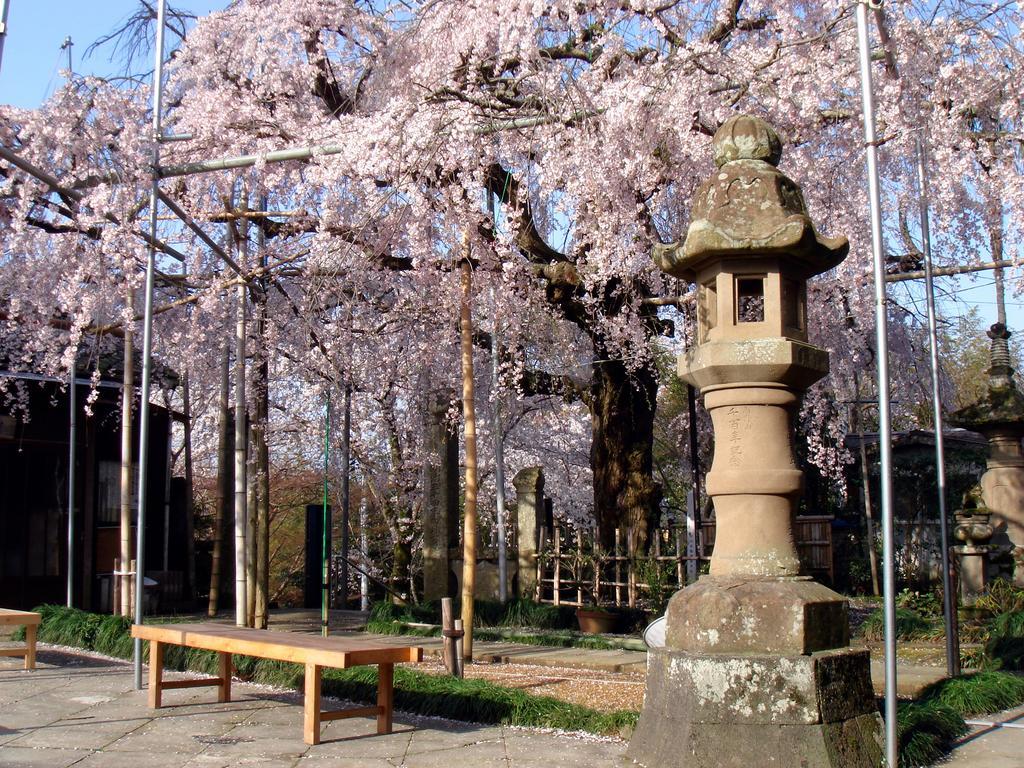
(312, 651)
(29, 620)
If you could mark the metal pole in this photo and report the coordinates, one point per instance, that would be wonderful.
(952, 654)
(147, 346)
(72, 440)
(66, 46)
(325, 573)
(884, 418)
(5, 6)
(346, 460)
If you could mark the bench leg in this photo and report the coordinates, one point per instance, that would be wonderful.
(156, 672)
(30, 646)
(385, 696)
(224, 673)
(311, 707)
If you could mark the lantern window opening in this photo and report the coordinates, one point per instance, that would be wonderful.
(707, 308)
(749, 299)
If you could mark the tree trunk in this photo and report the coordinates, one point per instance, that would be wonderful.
(469, 528)
(262, 450)
(622, 422)
(262, 499)
(224, 430)
(127, 401)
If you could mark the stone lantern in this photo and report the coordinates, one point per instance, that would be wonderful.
(973, 531)
(999, 416)
(757, 668)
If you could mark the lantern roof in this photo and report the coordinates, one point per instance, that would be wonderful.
(1002, 405)
(750, 209)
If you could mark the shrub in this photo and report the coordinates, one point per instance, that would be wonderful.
(1004, 648)
(979, 693)
(926, 731)
(910, 625)
(1001, 597)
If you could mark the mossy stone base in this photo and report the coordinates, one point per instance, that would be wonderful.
(719, 711)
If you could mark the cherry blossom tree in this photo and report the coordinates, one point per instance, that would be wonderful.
(589, 123)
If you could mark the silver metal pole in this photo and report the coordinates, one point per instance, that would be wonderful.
(72, 441)
(5, 6)
(147, 346)
(884, 417)
(952, 654)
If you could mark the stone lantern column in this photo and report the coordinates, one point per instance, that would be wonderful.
(999, 416)
(757, 668)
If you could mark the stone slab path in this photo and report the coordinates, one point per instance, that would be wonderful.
(81, 710)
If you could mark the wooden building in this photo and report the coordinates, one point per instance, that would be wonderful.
(34, 496)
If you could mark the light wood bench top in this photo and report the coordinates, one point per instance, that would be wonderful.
(312, 651)
(30, 621)
(337, 652)
(21, 618)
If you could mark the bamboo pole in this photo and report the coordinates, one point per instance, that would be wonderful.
(220, 514)
(469, 530)
(127, 396)
(241, 562)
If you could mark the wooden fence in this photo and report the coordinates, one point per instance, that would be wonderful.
(571, 570)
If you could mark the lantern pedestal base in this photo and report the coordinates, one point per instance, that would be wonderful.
(719, 711)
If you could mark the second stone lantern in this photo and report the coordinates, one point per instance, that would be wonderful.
(757, 668)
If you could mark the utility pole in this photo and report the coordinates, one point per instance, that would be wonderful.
(66, 46)
(5, 6)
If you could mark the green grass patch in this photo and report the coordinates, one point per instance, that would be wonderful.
(477, 701)
(910, 625)
(554, 638)
(978, 693)
(926, 731)
(486, 613)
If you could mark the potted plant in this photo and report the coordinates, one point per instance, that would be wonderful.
(595, 620)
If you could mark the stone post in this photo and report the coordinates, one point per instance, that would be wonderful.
(974, 531)
(440, 497)
(529, 484)
(756, 668)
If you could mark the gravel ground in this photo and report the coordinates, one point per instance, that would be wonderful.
(603, 691)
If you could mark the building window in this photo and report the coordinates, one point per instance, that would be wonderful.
(108, 511)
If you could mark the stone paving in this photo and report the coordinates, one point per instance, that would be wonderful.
(81, 710)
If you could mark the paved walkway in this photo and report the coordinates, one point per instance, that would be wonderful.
(79, 710)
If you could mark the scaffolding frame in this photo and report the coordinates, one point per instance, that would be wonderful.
(157, 196)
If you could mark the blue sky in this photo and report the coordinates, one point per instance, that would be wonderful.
(32, 58)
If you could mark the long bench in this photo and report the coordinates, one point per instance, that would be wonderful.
(28, 620)
(312, 651)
